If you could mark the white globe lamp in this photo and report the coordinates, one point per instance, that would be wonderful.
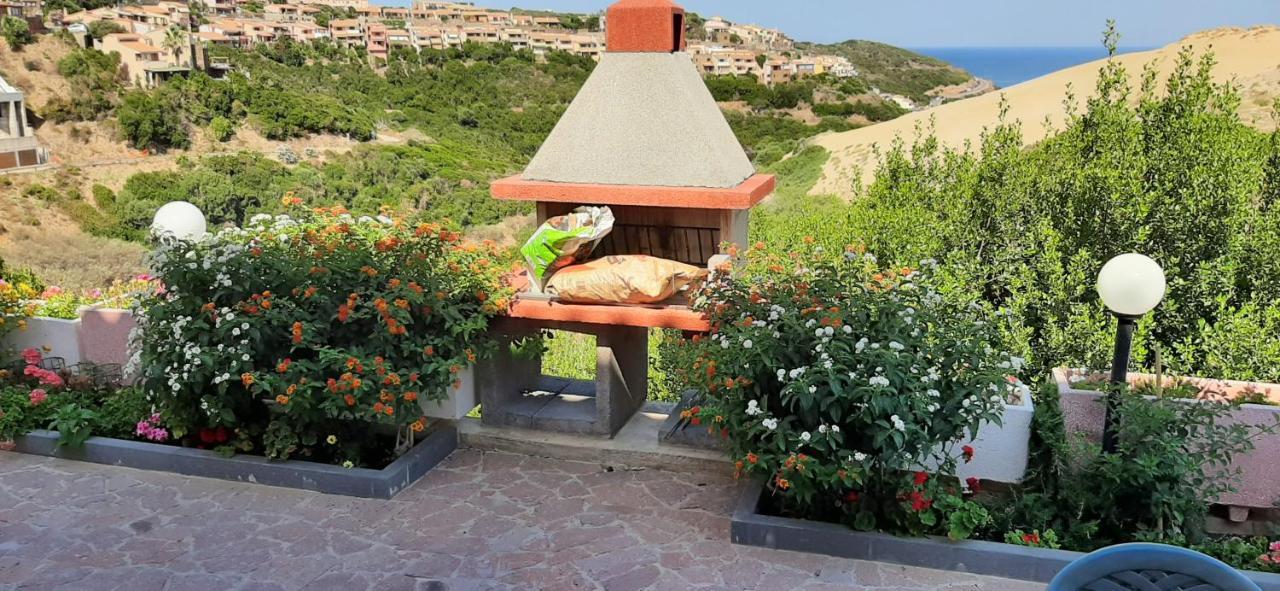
(179, 219)
(1130, 285)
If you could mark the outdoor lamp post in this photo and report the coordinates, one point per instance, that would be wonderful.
(179, 218)
(1130, 285)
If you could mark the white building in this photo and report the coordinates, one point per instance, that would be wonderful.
(18, 145)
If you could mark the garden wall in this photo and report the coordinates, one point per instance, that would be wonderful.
(100, 335)
(1084, 412)
(1000, 452)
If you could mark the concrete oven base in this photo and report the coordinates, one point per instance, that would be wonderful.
(514, 393)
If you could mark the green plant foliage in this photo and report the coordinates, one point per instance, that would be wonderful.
(100, 29)
(221, 129)
(1174, 175)
(1172, 459)
(850, 388)
(294, 329)
(152, 120)
(769, 138)
(16, 31)
(96, 76)
(73, 423)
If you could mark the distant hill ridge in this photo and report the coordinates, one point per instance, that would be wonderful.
(1250, 58)
(894, 69)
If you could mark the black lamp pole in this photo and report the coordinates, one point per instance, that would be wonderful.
(1119, 378)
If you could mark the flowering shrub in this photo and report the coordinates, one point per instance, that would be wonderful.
(850, 388)
(77, 406)
(1033, 539)
(15, 306)
(289, 330)
(60, 303)
(1271, 558)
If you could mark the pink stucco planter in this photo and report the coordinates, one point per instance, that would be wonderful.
(1259, 486)
(104, 334)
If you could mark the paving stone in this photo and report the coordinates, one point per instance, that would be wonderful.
(481, 521)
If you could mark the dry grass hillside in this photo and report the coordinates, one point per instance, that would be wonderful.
(1249, 57)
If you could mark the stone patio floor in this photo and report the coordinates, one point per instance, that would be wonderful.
(483, 520)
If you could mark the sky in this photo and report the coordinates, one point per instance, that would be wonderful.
(972, 23)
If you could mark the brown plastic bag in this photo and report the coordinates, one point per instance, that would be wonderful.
(623, 279)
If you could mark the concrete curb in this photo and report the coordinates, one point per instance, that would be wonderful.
(751, 528)
(324, 478)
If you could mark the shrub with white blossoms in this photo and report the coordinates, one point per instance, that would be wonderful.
(850, 388)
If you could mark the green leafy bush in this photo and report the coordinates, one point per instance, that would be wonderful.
(96, 76)
(851, 389)
(1173, 174)
(153, 120)
(77, 406)
(16, 32)
(1172, 459)
(221, 129)
(291, 331)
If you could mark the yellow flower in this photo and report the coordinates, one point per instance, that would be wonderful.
(348, 464)
(332, 439)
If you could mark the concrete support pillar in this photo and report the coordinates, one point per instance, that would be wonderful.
(599, 407)
(20, 119)
(622, 374)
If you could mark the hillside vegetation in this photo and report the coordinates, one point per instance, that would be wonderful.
(478, 113)
(1166, 168)
(1250, 58)
(893, 69)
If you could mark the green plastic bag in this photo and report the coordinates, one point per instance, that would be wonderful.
(564, 240)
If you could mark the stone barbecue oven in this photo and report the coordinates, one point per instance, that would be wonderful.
(645, 137)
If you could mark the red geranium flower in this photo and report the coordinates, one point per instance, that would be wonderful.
(919, 502)
(974, 484)
(968, 453)
(921, 478)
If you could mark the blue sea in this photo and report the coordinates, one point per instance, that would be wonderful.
(1007, 66)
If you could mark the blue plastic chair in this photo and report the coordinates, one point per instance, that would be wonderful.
(1149, 567)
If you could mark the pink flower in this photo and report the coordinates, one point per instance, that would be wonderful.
(149, 428)
(38, 396)
(46, 377)
(144, 277)
(31, 356)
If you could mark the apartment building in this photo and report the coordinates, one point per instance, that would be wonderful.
(144, 62)
(716, 60)
(18, 144)
(375, 40)
(356, 4)
(346, 32)
(289, 13)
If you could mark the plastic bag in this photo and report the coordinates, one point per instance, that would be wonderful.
(564, 240)
(623, 279)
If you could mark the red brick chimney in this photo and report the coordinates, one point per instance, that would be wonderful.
(645, 26)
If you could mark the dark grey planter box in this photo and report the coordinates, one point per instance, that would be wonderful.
(750, 527)
(325, 478)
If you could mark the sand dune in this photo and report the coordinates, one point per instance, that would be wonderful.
(1250, 57)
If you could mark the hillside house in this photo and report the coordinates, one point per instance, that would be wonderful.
(18, 145)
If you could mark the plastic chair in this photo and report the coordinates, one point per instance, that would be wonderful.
(1149, 567)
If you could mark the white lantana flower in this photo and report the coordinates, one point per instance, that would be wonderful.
(805, 437)
(770, 424)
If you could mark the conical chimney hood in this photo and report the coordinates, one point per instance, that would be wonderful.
(643, 120)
